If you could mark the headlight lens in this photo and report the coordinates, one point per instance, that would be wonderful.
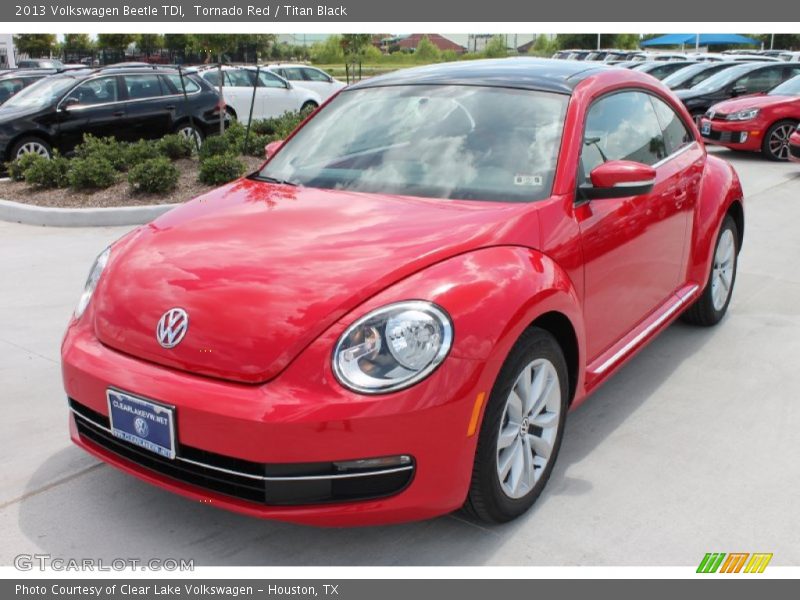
(393, 347)
(91, 281)
(744, 115)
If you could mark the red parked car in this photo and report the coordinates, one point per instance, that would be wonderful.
(390, 320)
(761, 123)
(794, 146)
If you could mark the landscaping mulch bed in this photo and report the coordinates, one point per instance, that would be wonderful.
(119, 194)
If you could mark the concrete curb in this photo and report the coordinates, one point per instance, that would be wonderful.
(28, 214)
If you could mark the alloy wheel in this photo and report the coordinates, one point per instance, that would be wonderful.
(528, 428)
(33, 148)
(779, 141)
(192, 134)
(722, 273)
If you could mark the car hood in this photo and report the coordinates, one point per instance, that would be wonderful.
(756, 101)
(263, 269)
(9, 114)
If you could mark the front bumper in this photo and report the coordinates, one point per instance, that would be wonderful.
(739, 135)
(287, 429)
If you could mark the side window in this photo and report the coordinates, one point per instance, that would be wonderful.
(792, 71)
(267, 79)
(761, 80)
(293, 74)
(141, 87)
(96, 91)
(212, 77)
(314, 75)
(239, 78)
(190, 85)
(676, 134)
(622, 126)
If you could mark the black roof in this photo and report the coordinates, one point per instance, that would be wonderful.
(543, 74)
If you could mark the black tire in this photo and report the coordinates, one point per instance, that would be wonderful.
(486, 499)
(703, 312)
(231, 113)
(783, 130)
(308, 106)
(29, 141)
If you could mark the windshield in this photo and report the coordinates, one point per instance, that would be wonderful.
(787, 88)
(722, 79)
(461, 142)
(41, 93)
(687, 73)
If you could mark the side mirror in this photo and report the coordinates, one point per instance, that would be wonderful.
(739, 90)
(71, 101)
(619, 179)
(271, 148)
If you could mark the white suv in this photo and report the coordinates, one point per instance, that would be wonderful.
(273, 94)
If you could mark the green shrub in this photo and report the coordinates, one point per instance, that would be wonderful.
(219, 169)
(139, 152)
(256, 143)
(107, 148)
(216, 145)
(278, 126)
(17, 167)
(155, 176)
(175, 146)
(91, 172)
(48, 173)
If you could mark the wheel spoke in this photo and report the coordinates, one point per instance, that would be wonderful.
(523, 387)
(514, 408)
(541, 446)
(506, 458)
(507, 435)
(545, 420)
(517, 467)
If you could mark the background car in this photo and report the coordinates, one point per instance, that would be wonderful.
(310, 78)
(273, 94)
(15, 81)
(662, 69)
(379, 368)
(39, 63)
(794, 146)
(56, 112)
(693, 74)
(756, 123)
(747, 78)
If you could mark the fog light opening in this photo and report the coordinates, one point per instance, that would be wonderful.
(384, 462)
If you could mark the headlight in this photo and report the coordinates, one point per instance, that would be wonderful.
(743, 115)
(393, 347)
(91, 281)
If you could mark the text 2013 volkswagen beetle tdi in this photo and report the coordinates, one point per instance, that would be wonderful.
(392, 318)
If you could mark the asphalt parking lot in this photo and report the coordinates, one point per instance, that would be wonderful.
(691, 448)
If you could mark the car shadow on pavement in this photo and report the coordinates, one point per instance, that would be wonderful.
(106, 514)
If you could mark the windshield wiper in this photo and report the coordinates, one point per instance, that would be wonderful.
(276, 180)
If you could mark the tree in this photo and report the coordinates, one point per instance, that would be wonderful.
(329, 51)
(354, 44)
(176, 42)
(35, 45)
(568, 41)
(426, 51)
(148, 42)
(78, 42)
(543, 46)
(118, 42)
(496, 47)
(623, 41)
(215, 44)
(781, 41)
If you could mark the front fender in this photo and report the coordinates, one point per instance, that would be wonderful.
(720, 190)
(492, 295)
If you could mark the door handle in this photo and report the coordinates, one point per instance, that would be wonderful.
(169, 107)
(119, 113)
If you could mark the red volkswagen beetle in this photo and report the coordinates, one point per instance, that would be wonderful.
(391, 319)
(761, 123)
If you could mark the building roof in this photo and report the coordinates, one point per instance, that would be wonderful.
(522, 72)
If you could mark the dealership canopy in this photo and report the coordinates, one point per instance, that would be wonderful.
(701, 39)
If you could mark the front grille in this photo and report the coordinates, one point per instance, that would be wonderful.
(732, 137)
(263, 483)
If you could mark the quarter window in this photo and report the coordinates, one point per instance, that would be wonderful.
(190, 85)
(293, 74)
(676, 134)
(314, 75)
(622, 126)
(761, 80)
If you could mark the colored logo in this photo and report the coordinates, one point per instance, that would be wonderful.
(735, 562)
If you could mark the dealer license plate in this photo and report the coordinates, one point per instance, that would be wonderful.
(142, 422)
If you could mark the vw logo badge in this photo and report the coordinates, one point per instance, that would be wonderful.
(172, 327)
(140, 425)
